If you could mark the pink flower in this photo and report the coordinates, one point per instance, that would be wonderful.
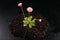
(29, 9)
(20, 4)
(40, 20)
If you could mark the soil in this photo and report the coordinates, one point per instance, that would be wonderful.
(38, 31)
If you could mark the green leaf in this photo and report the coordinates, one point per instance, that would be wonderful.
(25, 24)
(30, 18)
(30, 26)
(28, 21)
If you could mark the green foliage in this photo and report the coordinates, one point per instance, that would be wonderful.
(29, 22)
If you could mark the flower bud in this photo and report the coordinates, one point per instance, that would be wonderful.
(40, 20)
(20, 4)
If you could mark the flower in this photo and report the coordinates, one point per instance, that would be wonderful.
(29, 9)
(20, 4)
(40, 20)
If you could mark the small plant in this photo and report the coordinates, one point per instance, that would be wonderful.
(29, 27)
(28, 21)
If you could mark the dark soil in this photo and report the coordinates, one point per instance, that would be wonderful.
(38, 31)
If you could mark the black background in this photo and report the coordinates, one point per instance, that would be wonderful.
(49, 9)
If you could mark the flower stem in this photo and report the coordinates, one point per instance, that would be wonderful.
(29, 14)
(22, 11)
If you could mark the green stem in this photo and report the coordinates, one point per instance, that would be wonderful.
(22, 11)
(29, 14)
